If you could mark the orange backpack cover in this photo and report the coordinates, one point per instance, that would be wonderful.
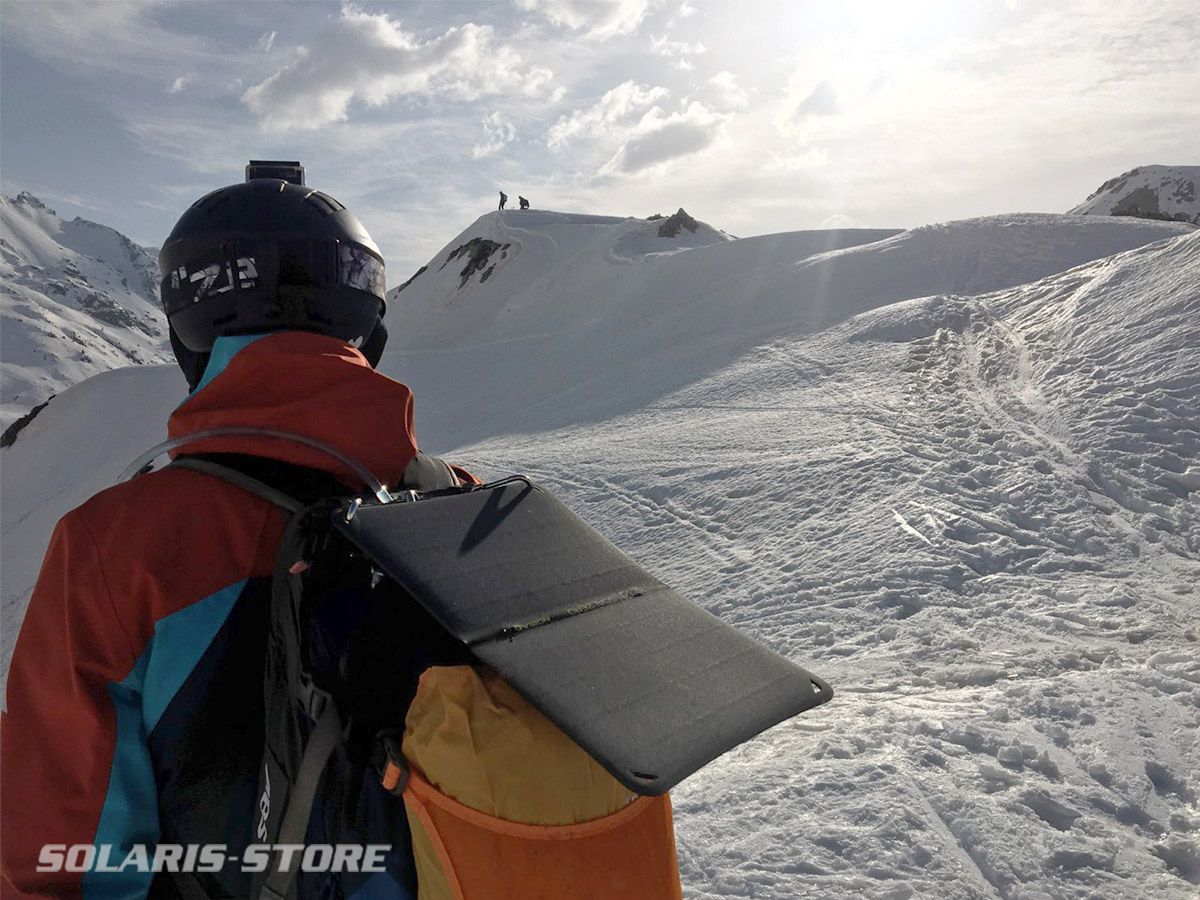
(504, 806)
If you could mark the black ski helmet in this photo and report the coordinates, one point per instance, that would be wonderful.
(269, 255)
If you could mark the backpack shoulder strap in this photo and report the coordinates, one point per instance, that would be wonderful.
(289, 823)
(423, 474)
(241, 479)
(326, 736)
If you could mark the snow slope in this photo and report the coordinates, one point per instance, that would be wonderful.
(76, 298)
(1155, 192)
(953, 470)
(978, 517)
(566, 330)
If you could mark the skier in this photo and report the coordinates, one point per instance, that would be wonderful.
(137, 715)
(524, 202)
(135, 704)
(503, 199)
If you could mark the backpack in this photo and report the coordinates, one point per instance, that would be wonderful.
(345, 649)
(373, 600)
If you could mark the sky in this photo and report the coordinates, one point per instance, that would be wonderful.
(755, 116)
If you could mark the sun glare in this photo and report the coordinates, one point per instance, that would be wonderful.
(912, 23)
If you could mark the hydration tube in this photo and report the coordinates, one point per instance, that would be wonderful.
(377, 487)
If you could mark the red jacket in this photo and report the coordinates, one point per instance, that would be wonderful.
(140, 614)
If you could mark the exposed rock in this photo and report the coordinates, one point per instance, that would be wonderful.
(107, 310)
(27, 199)
(1142, 203)
(1168, 193)
(477, 251)
(676, 223)
(414, 277)
(11, 432)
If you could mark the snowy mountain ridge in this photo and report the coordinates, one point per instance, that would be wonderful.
(563, 309)
(1170, 193)
(76, 298)
(559, 240)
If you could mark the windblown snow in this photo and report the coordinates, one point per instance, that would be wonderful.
(76, 298)
(954, 470)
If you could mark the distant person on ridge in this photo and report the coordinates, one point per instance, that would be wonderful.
(524, 203)
(503, 199)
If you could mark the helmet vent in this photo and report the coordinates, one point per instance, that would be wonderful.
(213, 202)
(205, 200)
(325, 202)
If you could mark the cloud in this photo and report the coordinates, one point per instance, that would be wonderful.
(659, 139)
(618, 109)
(840, 220)
(821, 101)
(664, 46)
(598, 21)
(267, 41)
(370, 58)
(822, 87)
(725, 92)
(629, 128)
(497, 135)
(678, 51)
(685, 11)
(109, 37)
(179, 84)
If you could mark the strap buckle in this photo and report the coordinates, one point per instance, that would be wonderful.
(392, 767)
(312, 699)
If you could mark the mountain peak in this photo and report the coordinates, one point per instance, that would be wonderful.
(1170, 193)
(79, 298)
(671, 226)
(27, 199)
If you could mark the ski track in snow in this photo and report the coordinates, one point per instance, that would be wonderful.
(976, 515)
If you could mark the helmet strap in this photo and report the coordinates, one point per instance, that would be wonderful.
(372, 347)
(192, 362)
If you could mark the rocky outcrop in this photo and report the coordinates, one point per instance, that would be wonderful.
(478, 253)
(10, 433)
(27, 199)
(1168, 193)
(415, 276)
(672, 225)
